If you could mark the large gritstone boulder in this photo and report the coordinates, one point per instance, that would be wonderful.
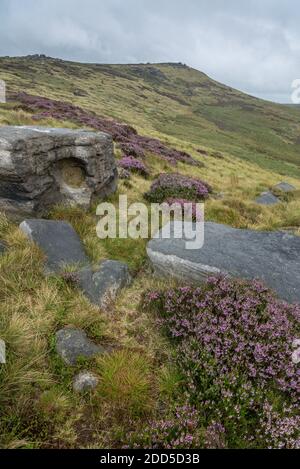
(40, 167)
(273, 257)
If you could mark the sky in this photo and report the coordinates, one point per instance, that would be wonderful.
(251, 45)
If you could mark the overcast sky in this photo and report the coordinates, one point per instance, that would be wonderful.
(252, 45)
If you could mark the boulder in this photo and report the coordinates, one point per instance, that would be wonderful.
(40, 167)
(284, 187)
(85, 381)
(273, 257)
(267, 198)
(59, 242)
(102, 285)
(72, 344)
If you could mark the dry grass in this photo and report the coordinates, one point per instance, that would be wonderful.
(37, 405)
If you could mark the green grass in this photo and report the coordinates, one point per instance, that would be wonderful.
(187, 110)
(171, 100)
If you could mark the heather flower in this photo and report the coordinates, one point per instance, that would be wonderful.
(130, 163)
(174, 185)
(215, 436)
(126, 136)
(178, 429)
(280, 430)
(234, 345)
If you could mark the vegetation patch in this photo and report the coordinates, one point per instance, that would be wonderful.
(133, 165)
(126, 135)
(174, 185)
(233, 342)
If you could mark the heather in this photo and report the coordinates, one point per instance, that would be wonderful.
(38, 407)
(132, 164)
(177, 429)
(234, 344)
(129, 141)
(177, 186)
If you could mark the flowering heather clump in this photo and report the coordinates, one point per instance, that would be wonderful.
(179, 430)
(132, 149)
(189, 208)
(132, 164)
(177, 186)
(129, 140)
(234, 345)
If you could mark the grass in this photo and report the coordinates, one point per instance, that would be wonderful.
(138, 378)
(126, 383)
(170, 99)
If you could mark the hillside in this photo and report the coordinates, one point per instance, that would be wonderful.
(194, 367)
(170, 99)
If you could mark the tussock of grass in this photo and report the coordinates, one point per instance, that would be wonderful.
(126, 383)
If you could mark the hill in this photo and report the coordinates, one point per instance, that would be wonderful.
(170, 99)
(153, 391)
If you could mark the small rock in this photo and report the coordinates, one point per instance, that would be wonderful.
(124, 173)
(2, 247)
(74, 343)
(218, 155)
(102, 285)
(85, 381)
(58, 240)
(218, 196)
(80, 93)
(284, 187)
(267, 198)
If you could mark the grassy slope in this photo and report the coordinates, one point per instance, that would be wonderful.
(36, 398)
(170, 99)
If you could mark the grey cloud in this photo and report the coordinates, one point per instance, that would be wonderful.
(253, 46)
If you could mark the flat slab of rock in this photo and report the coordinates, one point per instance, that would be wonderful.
(273, 257)
(85, 381)
(102, 285)
(284, 187)
(41, 167)
(267, 198)
(71, 344)
(59, 242)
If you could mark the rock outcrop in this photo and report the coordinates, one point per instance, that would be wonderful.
(267, 198)
(273, 257)
(72, 344)
(102, 285)
(59, 242)
(85, 381)
(63, 248)
(40, 167)
(284, 187)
